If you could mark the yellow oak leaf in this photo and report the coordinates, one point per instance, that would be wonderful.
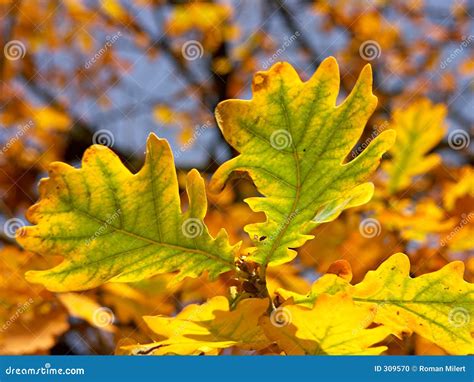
(333, 326)
(438, 306)
(112, 225)
(293, 141)
(204, 329)
(327, 284)
(419, 127)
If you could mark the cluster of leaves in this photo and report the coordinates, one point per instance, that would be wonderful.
(51, 104)
(303, 154)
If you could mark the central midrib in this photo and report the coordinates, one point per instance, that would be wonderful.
(297, 188)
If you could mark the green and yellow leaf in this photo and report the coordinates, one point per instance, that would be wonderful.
(293, 141)
(112, 225)
(438, 306)
(333, 326)
(327, 284)
(207, 328)
(419, 127)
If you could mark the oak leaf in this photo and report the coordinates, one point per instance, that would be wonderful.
(293, 141)
(206, 328)
(333, 326)
(112, 225)
(437, 305)
(419, 127)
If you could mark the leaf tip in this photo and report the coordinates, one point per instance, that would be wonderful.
(401, 260)
(366, 81)
(390, 137)
(153, 140)
(330, 63)
(193, 175)
(32, 277)
(366, 72)
(456, 267)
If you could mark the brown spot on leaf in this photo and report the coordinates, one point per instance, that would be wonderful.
(341, 268)
(260, 81)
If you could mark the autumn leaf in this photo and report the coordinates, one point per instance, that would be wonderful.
(112, 225)
(333, 326)
(326, 284)
(31, 318)
(207, 328)
(419, 127)
(437, 305)
(293, 141)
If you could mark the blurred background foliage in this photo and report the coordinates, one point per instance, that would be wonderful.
(78, 72)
